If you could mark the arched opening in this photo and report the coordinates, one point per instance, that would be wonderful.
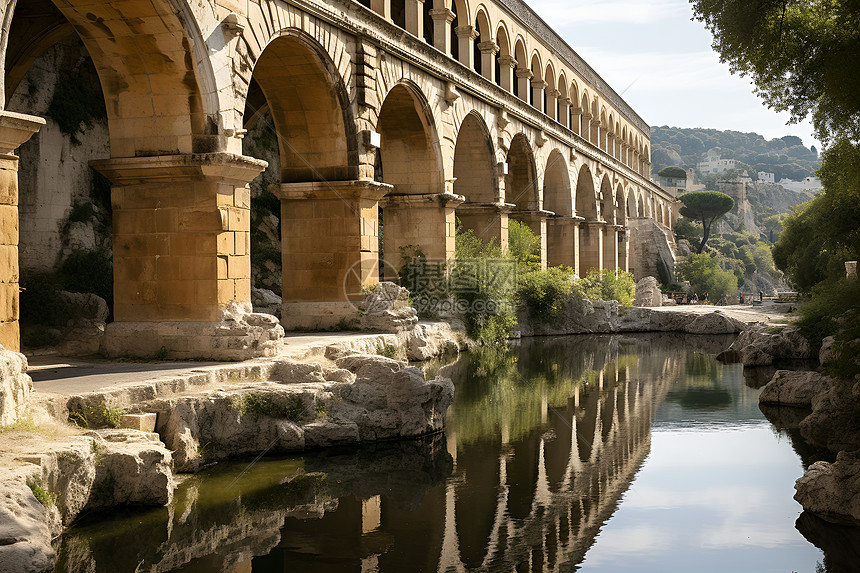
(575, 110)
(521, 189)
(160, 111)
(398, 13)
(504, 63)
(562, 104)
(549, 104)
(292, 88)
(484, 65)
(621, 220)
(415, 214)
(536, 83)
(475, 179)
(64, 227)
(522, 85)
(520, 182)
(585, 117)
(428, 23)
(297, 118)
(610, 233)
(561, 228)
(590, 231)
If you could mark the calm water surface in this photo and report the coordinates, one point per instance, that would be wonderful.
(635, 453)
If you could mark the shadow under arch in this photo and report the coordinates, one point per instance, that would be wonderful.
(590, 230)
(561, 228)
(418, 214)
(296, 81)
(476, 179)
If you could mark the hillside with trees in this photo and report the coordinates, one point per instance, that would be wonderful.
(785, 157)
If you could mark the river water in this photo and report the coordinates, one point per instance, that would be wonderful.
(634, 453)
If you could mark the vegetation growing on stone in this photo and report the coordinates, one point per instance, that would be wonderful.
(273, 405)
(41, 494)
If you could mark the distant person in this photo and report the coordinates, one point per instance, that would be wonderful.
(741, 297)
(760, 296)
(695, 299)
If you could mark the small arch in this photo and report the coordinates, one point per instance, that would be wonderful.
(607, 211)
(474, 165)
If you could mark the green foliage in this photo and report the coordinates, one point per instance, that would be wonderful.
(204, 451)
(785, 158)
(523, 244)
(43, 496)
(545, 292)
(686, 229)
(707, 207)
(800, 55)
(389, 351)
(111, 416)
(673, 172)
(834, 310)
(483, 280)
(427, 282)
(609, 285)
(78, 419)
(705, 275)
(273, 405)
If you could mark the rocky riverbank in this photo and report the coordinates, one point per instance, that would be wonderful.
(825, 410)
(53, 472)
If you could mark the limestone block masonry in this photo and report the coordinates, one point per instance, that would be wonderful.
(387, 131)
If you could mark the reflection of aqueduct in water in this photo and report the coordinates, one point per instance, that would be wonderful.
(484, 114)
(550, 493)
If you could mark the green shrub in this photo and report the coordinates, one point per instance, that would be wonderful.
(482, 286)
(834, 310)
(273, 405)
(111, 416)
(705, 275)
(44, 497)
(523, 244)
(545, 292)
(609, 285)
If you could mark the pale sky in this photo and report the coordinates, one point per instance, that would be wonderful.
(664, 64)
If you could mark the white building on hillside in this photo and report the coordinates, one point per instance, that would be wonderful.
(765, 177)
(716, 164)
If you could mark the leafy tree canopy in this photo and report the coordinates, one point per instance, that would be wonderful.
(707, 207)
(801, 55)
(673, 171)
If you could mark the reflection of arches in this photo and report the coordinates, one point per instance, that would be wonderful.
(301, 85)
(520, 183)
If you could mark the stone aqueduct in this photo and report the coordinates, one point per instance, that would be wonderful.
(432, 110)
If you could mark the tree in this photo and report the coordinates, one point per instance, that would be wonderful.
(673, 172)
(707, 207)
(705, 275)
(801, 55)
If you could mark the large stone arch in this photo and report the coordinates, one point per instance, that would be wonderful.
(296, 89)
(475, 179)
(521, 189)
(295, 79)
(157, 78)
(591, 229)
(417, 213)
(558, 198)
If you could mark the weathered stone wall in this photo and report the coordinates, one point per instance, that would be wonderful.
(15, 387)
(652, 250)
(54, 173)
